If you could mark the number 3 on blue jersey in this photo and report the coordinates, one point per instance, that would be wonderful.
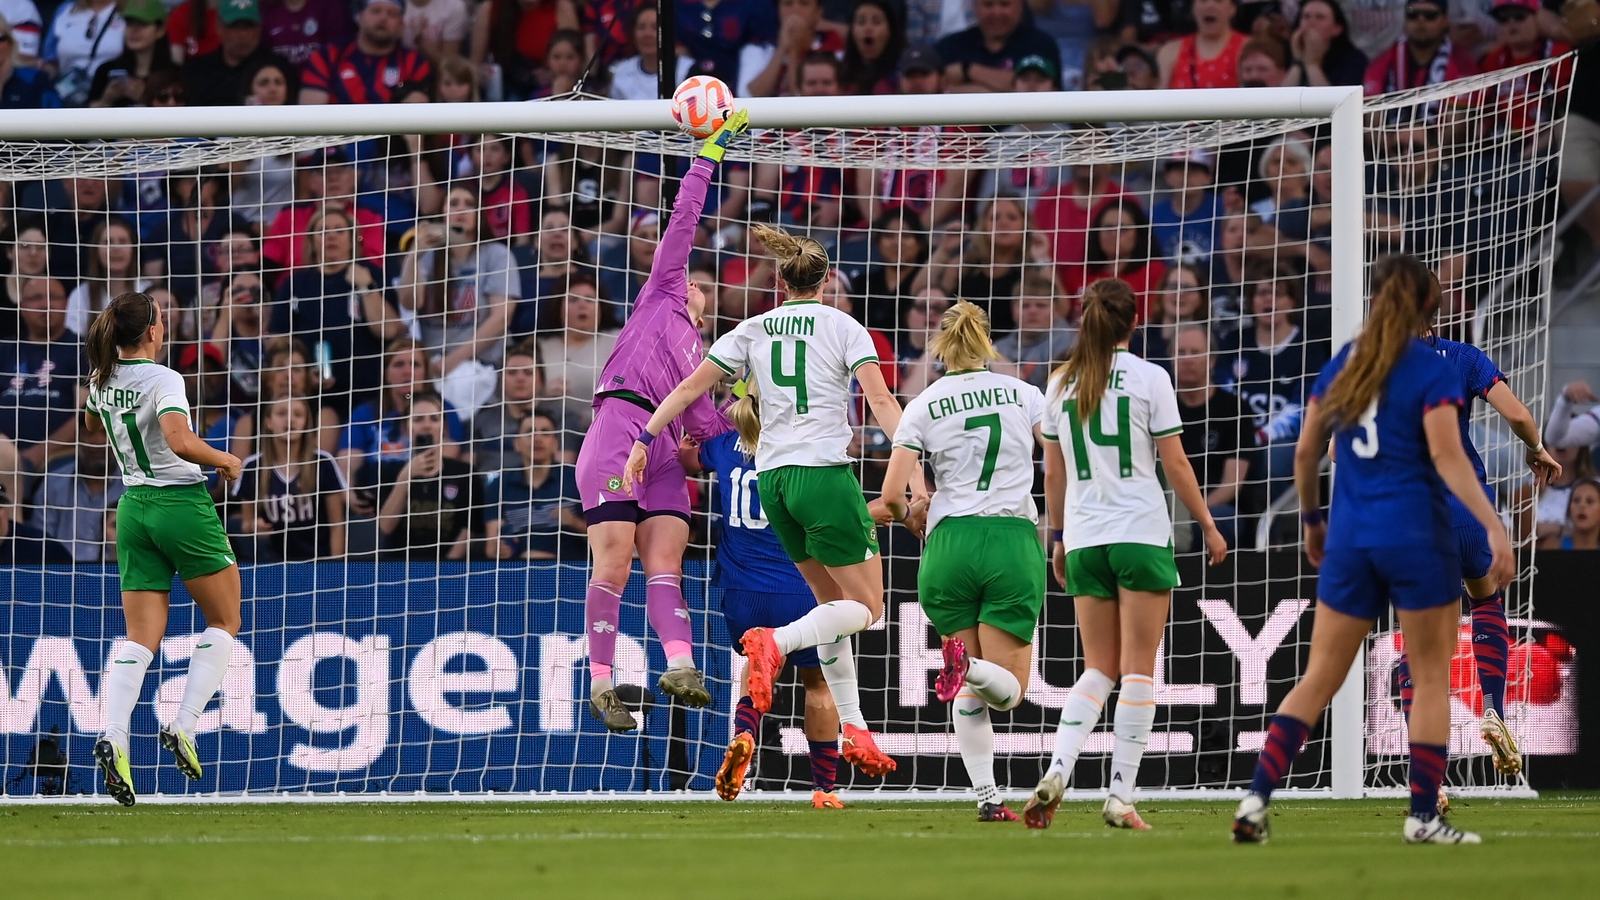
(1366, 444)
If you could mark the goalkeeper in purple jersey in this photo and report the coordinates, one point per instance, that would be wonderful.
(1491, 639)
(659, 347)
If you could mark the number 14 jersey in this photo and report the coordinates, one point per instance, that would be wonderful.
(1113, 493)
(977, 429)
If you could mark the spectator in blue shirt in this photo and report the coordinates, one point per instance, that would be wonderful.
(533, 510)
(22, 87)
(1184, 221)
(715, 32)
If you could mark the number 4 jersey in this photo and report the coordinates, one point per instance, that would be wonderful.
(1113, 493)
(130, 406)
(803, 355)
(977, 429)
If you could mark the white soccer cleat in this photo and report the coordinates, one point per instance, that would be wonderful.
(1251, 823)
(1495, 732)
(1118, 814)
(1436, 831)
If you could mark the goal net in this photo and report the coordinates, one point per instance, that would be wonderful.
(400, 334)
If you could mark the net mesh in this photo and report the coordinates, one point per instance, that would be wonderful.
(401, 336)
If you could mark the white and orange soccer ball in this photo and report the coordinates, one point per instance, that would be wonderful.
(701, 104)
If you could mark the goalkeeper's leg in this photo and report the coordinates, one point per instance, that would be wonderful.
(662, 540)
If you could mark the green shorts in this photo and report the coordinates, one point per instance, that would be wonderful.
(987, 569)
(164, 530)
(818, 513)
(1099, 571)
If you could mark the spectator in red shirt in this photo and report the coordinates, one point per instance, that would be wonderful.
(368, 69)
(507, 207)
(192, 29)
(1209, 58)
(327, 181)
(1531, 99)
(1120, 247)
(515, 35)
(1064, 215)
(1424, 56)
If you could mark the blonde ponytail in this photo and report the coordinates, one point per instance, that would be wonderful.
(746, 420)
(962, 341)
(802, 262)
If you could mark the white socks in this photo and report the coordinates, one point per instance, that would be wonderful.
(1078, 718)
(1136, 713)
(839, 670)
(827, 624)
(993, 684)
(975, 738)
(207, 667)
(124, 679)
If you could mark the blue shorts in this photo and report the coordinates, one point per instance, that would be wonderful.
(1472, 541)
(744, 610)
(1363, 581)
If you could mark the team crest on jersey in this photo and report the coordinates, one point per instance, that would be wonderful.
(451, 491)
(614, 483)
(310, 28)
(391, 75)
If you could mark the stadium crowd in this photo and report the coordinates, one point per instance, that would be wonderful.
(401, 335)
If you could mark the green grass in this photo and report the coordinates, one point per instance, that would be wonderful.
(765, 850)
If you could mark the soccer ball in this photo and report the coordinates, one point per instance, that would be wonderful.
(701, 104)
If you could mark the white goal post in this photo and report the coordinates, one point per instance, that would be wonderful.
(499, 655)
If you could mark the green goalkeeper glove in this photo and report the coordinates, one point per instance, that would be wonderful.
(732, 127)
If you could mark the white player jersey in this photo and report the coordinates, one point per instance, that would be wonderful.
(1113, 493)
(977, 429)
(130, 406)
(803, 356)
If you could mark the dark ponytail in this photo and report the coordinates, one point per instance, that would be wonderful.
(122, 324)
(1109, 311)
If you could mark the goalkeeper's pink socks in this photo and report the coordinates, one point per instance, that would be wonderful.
(124, 679)
(207, 668)
(601, 608)
(669, 618)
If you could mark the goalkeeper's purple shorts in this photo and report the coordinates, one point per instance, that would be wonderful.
(665, 489)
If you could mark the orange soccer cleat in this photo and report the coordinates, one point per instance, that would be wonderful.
(765, 662)
(861, 751)
(730, 778)
(826, 800)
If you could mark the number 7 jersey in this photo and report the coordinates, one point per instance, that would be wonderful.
(977, 429)
(130, 407)
(1113, 493)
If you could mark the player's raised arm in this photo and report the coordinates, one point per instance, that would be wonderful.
(669, 271)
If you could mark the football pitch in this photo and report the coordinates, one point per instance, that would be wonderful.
(1320, 848)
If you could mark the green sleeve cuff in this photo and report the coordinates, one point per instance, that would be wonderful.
(1052, 438)
(722, 365)
(176, 409)
(1169, 432)
(908, 446)
(863, 361)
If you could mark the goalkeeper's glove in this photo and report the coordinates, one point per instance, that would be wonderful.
(732, 127)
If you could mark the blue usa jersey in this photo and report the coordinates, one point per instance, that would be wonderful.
(1386, 492)
(1478, 375)
(749, 557)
